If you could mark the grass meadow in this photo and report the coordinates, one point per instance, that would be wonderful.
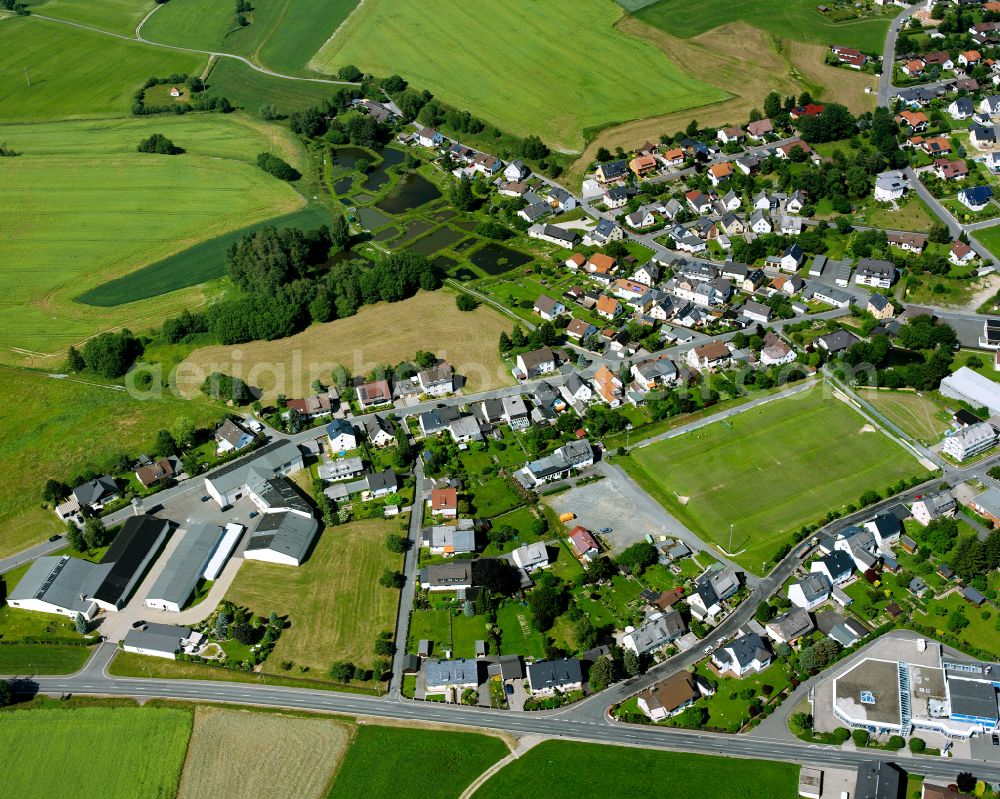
(249, 89)
(84, 208)
(211, 25)
(569, 770)
(229, 747)
(334, 602)
(94, 752)
(98, 81)
(58, 428)
(27, 659)
(376, 334)
(117, 16)
(990, 239)
(400, 762)
(305, 26)
(913, 413)
(567, 69)
(770, 470)
(791, 19)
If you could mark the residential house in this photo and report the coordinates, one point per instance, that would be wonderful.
(756, 312)
(550, 676)
(913, 68)
(961, 108)
(371, 395)
(710, 356)
(890, 186)
(810, 591)
(655, 632)
(428, 137)
(698, 202)
(933, 506)
(775, 352)
(916, 121)
(671, 696)
(570, 457)
(561, 199)
(537, 362)
(452, 576)
(534, 212)
(513, 189)
(316, 406)
(465, 429)
(759, 130)
(643, 165)
(579, 329)
(717, 173)
(531, 557)
(969, 58)
(342, 435)
(674, 157)
(438, 380)
(710, 591)
(576, 390)
(608, 307)
(487, 165)
(604, 233)
(608, 386)
(554, 235)
(875, 273)
(987, 504)
(789, 627)
(516, 171)
(451, 677)
(548, 308)
(950, 170)
(982, 136)
(886, 528)
(641, 217)
(616, 197)
(380, 430)
(970, 441)
(861, 545)
(879, 307)
(444, 502)
(836, 567)
(911, 242)
(96, 493)
(792, 259)
(230, 437)
(653, 373)
(785, 150)
(610, 171)
(515, 412)
(990, 105)
(739, 657)
(584, 543)
(729, 135)
(159, 471)
(760, 223)
(961, 254)
(976, 198)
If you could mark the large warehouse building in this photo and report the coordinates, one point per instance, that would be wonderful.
(69, 586)
(238, 479)
(972, 387)
(181, 573)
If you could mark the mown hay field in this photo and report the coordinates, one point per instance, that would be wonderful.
(386, 333)
(238, 753)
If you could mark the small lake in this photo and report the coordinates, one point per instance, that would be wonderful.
(443, 263)
(438, 240)
(495, 259)
(386, 233)
(444, 215)
(467, 224)
(462, 274)
(343, 185)
(371, 218)
(379, 176)
(416, 228)
(348, 157)
(463, 246)
(412, 191)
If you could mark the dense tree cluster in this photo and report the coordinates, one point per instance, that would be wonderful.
(159, 144)
(107, 354)
(278, 167)
(922, 363)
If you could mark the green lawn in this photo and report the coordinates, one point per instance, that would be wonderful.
(117, 16)
(129, 752)
(462, 54)
(305, 26)
(793, 19)
(413, 763)
(460, 635)
(568, 770)
(98, 81)
(249, 89)
(59, 428)
(493, 497)
(211, 25)
(913, 413)
(768, 471)
(514, 619)
(980, 632)
(335, 605)
(728, 713)
(27, 659)
(80, 188)
(990, 239)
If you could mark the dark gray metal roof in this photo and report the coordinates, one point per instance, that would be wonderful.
(184, 568)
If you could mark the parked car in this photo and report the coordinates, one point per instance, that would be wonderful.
(205, 498)
(605, 530)
(707, 650)
(253, 514)
(139, 623)
(54, 537)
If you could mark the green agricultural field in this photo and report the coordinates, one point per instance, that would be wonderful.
(98, 81)
(249, 89)
(567, 770)
(567, 69)
(305, 25)
(59, 428)
(335, 604)
(198, 264)
(31, 659)
(117, 16)
(792, 19)
(211, 25)
(398, 762)
(129, 752)
(769, 471)
(84, 208)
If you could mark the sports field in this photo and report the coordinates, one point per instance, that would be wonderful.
(93, 752)
(228, 750)
(59, 428)
(400, 763)
(791, 19)
(333, 600)
(913, 413)
(376, 334)
(97, 81)
(83, 208)
(568, 770)
(566, 69)
(117, 16)
(770, 470)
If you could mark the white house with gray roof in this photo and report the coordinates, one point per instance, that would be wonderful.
(658, 630)
(161, 640)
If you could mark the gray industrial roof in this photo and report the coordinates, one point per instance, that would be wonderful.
(280, 492)
(286, 533)
(158, 637)
(60, 581)
(182, 571)
(258, 465)
(451, 672)
(973, 698)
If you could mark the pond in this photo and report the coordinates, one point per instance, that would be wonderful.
(463, 274)
(348, 157)
(370, 218)
(379, 176)
(386, 233)
(438, 240)
(343, 185)
(463, 246)
(467, 224)
(414, 229)
(443, 263)
(495, 259)
(411, 192)
(345, 256)
(444, 215)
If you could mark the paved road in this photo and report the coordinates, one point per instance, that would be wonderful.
(568, 723)
(37, 551)
(885, 86)
(410, 562)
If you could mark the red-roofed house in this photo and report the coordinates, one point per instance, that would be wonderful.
(950, 170)
(961, 254)
(810, 110)
(444, 502)
(584, 544)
